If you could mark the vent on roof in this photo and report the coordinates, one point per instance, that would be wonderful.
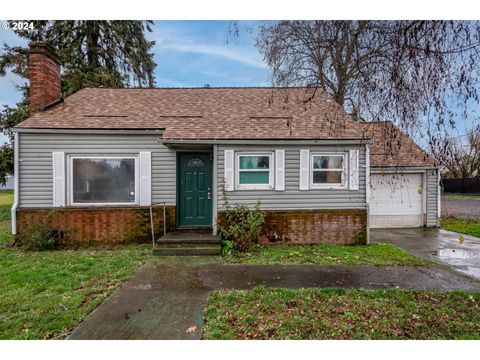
(269, 117)
(106, 116)
(180, 116)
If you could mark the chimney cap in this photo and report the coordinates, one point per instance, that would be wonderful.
(45, 48)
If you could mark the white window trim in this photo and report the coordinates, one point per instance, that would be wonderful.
(271, 170)
(342, 184)
(70, 180)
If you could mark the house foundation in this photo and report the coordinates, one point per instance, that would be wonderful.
(98, 225)
(346, 227)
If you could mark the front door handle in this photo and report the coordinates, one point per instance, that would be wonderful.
(209, 194)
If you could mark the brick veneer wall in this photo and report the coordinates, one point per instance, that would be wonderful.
(77, 226)
(314, 227)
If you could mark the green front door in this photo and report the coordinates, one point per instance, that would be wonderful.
(194, 190)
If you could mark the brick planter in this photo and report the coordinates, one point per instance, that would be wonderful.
(76, 226)
(313, 227)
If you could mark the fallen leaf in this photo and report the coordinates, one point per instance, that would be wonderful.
(461, 239)
(191, 329)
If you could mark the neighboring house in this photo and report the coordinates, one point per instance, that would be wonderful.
(96, 163)
(8, 183)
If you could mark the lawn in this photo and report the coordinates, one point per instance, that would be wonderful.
(325, 254)
(6, 201)
(460, 196)
(469, 227)
(342, 314)
(44, 295)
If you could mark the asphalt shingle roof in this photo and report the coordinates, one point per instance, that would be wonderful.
(228, 113)
(203, 113)
(392, 147)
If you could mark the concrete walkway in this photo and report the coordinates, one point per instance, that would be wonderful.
(436, 245)
(166, 298)
(163, 300)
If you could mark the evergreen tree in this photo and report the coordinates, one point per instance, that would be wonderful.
(93, 54)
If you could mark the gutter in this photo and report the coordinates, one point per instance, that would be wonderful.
(394, 169)
(233, 141)
(16, 179)
(88, 131)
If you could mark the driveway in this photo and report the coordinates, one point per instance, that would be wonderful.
(436, 245)
(461, 207)
(166, 298)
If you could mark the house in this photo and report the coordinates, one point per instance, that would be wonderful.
(8, 183)
(95, 164)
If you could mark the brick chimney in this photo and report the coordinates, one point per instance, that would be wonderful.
(44, 68)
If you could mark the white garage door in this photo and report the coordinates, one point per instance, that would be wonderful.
(396, 200)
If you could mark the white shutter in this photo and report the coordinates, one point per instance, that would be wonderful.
(279, 170)
(229, 170)
(145, 186)
(353, 170)
(367, 173)
(304, 169)
(58, 167)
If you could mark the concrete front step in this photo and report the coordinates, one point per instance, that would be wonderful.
(187, 244)
(180, 241)
(190, 250)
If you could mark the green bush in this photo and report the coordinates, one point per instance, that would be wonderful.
(240, 227)
(39, 237)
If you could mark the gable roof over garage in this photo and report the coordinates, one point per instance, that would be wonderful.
(392, 147)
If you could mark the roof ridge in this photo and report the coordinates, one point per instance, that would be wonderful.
(197, 87)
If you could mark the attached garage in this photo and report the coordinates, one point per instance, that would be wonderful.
(403, 189)
(396, 200)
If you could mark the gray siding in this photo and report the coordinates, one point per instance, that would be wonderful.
(432, 198)
(293, 198)
(35, 154)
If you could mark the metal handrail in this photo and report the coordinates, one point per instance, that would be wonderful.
(164, 221)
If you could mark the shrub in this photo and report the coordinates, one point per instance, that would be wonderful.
(240, 227)
(39, 236)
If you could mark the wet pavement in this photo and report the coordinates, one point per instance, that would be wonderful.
(166, 298)
(461, 208)
(163, 300)
(436, 245)
(325, 276)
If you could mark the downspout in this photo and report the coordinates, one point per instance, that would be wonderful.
(16, 187)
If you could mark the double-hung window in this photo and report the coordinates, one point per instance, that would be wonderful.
(103, 180)
(327, 171)
(254, 171)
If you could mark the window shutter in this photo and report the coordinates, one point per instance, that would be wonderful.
(145, 169)
(354, 167)
(58, 167)
(367, 171)
(279, 170)
(304, 169)
(229, 170)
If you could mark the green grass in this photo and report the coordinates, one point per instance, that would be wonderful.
(325, 254)
(469, 227)
(461, 196)
(44, 295)
(342, 314)
(6, 200)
